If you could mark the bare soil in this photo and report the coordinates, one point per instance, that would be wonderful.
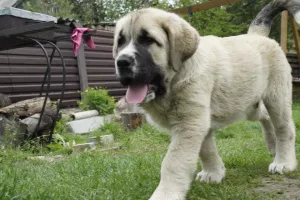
(285, 188)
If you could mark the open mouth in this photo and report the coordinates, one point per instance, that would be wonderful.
(138, 93)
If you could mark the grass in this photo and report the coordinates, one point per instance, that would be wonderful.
(132, 172)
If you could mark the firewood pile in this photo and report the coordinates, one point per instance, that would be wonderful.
(19, 120)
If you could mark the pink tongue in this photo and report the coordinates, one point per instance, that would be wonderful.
(136, 93)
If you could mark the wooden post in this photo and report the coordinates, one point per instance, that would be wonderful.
(82, 68)
(81, 64)
(296, 37)
(284, 31)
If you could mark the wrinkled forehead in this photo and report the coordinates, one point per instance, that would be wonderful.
(133, 25)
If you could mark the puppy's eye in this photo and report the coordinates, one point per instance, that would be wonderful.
(121, 41)
(146, 40)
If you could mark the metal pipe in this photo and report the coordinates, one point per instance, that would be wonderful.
(62, 90)
(47, 71)
(48, 86)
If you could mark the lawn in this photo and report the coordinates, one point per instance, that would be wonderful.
(132, 172)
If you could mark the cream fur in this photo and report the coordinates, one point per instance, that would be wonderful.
(220, 81)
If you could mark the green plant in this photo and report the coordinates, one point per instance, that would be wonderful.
(98, 99)
(60, 126)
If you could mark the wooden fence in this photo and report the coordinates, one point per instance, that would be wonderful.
(22, 70)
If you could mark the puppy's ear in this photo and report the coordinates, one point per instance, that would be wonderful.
(115, 46)
(183, 39)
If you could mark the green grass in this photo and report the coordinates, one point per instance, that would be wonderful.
(132, 172)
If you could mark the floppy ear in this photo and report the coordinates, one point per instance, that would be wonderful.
(183, 39)
(114, 50)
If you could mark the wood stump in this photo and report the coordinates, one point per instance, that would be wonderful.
(131, 120)
(4, 100)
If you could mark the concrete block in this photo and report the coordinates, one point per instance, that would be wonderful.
(86, 125)
(110, 148)
(107, 139)
(108, 118)
(47, 158)
(84, 147)
(94, 140)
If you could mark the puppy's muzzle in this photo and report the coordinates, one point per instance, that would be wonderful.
(125, 65)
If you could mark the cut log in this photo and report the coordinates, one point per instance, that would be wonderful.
(46, 122)
(132, 121)
(4, 100)
(26, 108)
(12, 131)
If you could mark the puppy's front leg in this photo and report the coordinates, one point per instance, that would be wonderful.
(180, 163)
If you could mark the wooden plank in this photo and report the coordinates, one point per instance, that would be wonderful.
(296, 37)
(204, 6)
(104, 33)
(53, 95)
(296, 89)
(295, 66)
(34, 60)
(101, 70)
(284, 31)
(117, 91)
(82, 68)
(99, 48)
(27, 78)
(102, 77)
(38, 70)
(100, 55)
(98, 62)
(69, 103)
(106, 84)
(103, 40)
(30, 88)
(38, 52)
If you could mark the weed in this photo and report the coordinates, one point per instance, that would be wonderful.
(98, 99)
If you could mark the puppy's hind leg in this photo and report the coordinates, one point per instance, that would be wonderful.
(285, 156)
(278, 101)
(261, 114)
(213, 169)
(267, 129)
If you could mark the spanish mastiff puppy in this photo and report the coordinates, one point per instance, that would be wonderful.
(194, 85)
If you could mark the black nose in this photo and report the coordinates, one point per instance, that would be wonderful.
(125, 61)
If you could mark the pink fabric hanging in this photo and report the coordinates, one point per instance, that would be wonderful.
(77, 38)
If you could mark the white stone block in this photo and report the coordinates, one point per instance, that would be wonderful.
(84, 126)
(84, 147)
(107, 139)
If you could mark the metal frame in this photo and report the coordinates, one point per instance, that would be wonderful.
(31, 35)
(29, 29)
(34, 34)
(58, 104)
(48, 74)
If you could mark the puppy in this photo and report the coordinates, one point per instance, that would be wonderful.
(193, 85)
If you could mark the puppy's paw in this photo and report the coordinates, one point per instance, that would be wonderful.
(167, 195)
(280, 168)
(211, 177)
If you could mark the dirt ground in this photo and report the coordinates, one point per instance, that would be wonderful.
(285, 189)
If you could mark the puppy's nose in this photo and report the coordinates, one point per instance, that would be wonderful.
(125, 61)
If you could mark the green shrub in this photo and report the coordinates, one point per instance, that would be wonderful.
(60, 126)
(97, 99)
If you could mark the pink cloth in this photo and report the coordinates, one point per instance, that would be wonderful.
(77, 37)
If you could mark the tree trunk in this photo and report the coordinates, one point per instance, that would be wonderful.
(26, 108)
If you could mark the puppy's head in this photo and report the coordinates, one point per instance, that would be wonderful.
(148, 45)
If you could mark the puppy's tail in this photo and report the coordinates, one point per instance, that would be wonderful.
(261, 25)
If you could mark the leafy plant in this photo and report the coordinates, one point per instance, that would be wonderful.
(60, 126)
(98, 99)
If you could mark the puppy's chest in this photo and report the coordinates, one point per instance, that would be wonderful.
(158, 111)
